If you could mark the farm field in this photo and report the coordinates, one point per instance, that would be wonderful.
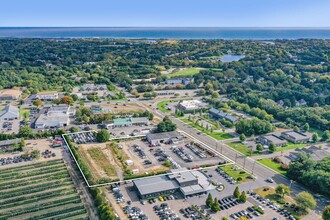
(39, 191)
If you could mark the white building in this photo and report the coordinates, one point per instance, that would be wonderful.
(47, 97)
(191, 105)
(9, 113)
(55, 117)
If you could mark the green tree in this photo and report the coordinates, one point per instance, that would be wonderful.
(326, 213)
(315, 137)
(272, 147)
(282, 190)
(37, 103)
(102, 136)
(326, 135)
(242, 197)
(306, 127)
(296, 129)
(236, 192)
(73, 129)
(306, 201)
(23, 144)
(215, 206)
(209, 201)
(242, 137)
(25, 131)
(259, 147)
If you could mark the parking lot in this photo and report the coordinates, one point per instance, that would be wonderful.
(82, 137)
(9, 127)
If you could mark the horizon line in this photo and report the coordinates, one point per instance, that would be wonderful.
(241, 27)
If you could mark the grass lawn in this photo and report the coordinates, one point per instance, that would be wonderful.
(271, 164)
(101, 159)
(291, 146)
(162, 106)
(236, 173)
(187, 73)
(215, 135)
(239, 146)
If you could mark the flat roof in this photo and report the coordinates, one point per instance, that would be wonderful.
(121, 120)
(190, 190)
(163, 135)
(273, 138)
(298, 135)
(10, 141)
(155, 184)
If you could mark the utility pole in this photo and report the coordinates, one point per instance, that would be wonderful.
(244, 162)
(253, 166)
(235, 158)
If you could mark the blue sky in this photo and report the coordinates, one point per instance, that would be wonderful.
(168, 13)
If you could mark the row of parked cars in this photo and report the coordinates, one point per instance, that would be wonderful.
(165, 213)
(225, 175)
(15, 159)
(190, 212)
(272, 205)
(245, 214)
(196, 151)
(83, 138)
(48, 154)
(228, 202)
(182, 154)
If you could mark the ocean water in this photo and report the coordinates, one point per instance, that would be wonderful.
(165, 33)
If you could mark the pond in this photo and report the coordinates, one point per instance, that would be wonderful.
(231, 57)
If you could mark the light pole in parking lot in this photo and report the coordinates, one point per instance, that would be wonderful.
(291, 181)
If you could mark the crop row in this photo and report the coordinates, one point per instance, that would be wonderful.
(42, 206)
(31, 166)
(36, 198)
(50, 214)
(37, 179)
(14, 176)
(35, 189)
(71, 214)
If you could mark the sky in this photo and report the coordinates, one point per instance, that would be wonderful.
(165, 13)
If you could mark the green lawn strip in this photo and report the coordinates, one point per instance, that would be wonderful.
(290, 146)
(23, 110)
(101, 159)
(236, 173)
(162, 106)
(186, 73)
(272, 165)
(215, 135)
(240, 147)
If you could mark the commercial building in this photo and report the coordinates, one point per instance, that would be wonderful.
(10, 94)
(272, 138)
(218, 114)
(165, 137)
(297, 137)
(187, 105)
(183, 81)
(93, 87)
(188, 182)
(47, 97)
(10, 112)
(128, 122)
(55, 117)
(8, 144)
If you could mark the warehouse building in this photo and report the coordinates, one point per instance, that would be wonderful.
(218, 114)
(188, 182)
(7, 145)
(187, 105)
(128, 122)
(165, 137)
(10, 94)
(297, 137)
(10, 112)
(272, 138)
(55, 117)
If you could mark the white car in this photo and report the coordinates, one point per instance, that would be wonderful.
(270, 180)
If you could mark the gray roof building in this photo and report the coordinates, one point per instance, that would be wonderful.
(10, 112)
(183, 180)
(272, 138)
(297, 137)
(220, 114)
(165, 137)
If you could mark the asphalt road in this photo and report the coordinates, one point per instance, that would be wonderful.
(248, 163)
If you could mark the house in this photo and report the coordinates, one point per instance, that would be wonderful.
(187, 182)
(218, 114)
(165, 137)
(10, 94)
(127, 122)
(297, 137)
(187, 105)
(301, 102)
(272, 138)
(10, 112)
(183, 81)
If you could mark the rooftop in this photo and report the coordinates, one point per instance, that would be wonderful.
(298, 135)
(164, 135)
(155, 184)
(273, 138)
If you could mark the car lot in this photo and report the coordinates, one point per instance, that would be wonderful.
(9, 127)
(82, 137)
